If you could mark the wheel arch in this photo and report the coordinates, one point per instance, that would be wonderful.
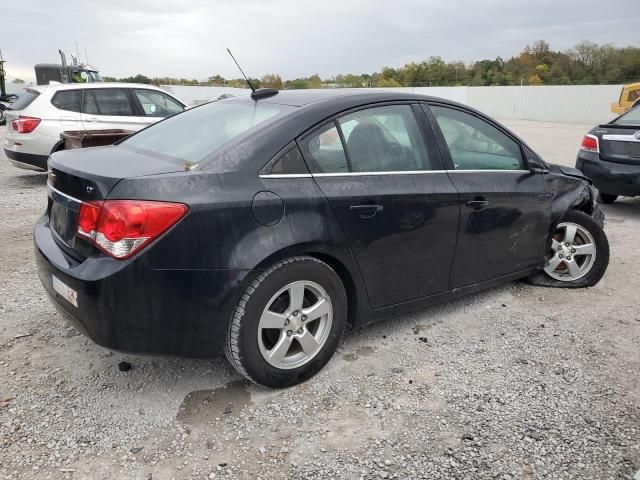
(338, 260)
(59, 146)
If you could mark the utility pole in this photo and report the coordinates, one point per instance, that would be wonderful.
(3, 88)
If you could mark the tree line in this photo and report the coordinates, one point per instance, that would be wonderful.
(586, 63)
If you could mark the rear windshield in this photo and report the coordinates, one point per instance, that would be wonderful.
(632, 117)
(24, 100)
(194, 135)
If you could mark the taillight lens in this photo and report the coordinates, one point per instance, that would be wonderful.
(25, 124)
(589, 143)
(121, 228)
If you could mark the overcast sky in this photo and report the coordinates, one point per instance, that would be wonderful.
(298, 38)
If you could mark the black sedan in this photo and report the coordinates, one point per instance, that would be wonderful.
(610, 156)
(263, 225)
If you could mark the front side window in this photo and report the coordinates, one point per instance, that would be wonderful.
(157, 104)
(107, 101)
(475, 144)
(70, 100)
(195, 134)
(384, 139)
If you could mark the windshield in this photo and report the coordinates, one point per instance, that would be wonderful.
(93, 76)
(632, 117)
(192, 136)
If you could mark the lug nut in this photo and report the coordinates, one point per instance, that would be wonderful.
(287, 322)
(300, 331)
(573, 250)
(567, 244)
(289, 333)
(304, 318)
(568, 258)
(560, 256)
(295, 314)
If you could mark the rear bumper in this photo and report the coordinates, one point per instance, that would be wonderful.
(612, 178)
(126, 306)
(27, 161)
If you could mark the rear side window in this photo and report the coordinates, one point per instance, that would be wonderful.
(25, 99)
(291, 162)
(70, 100)
(323, 151)
(384, 139)
(157, 104)
(194, 135)
(475, 144)
(107, 101)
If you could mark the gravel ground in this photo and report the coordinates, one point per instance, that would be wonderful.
(518, 382)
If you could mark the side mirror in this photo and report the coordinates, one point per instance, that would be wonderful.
(536, 169)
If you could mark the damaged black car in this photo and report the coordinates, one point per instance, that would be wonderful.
(263, 225)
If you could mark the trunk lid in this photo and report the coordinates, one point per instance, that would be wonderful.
(619, 143)
(89, 174)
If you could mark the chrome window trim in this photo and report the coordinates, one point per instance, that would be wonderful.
(519, 170)
(368, 174)
(621, 138)
(286, 175)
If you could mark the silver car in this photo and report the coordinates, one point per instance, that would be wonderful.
(42, 113)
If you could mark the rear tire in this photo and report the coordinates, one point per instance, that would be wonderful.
(579, 254)
(288, 323)
(606, 198)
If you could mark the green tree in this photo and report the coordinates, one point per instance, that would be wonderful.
(272, 80)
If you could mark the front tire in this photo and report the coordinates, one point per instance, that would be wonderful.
(579, 254)
(288, 323)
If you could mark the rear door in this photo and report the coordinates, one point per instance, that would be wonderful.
(110, 108)
(383, 177)
(505, 209)
(156, 105)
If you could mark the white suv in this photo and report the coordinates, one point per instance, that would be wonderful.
(43, 112)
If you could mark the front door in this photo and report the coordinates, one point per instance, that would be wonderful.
(505, 209)
(110, 108)
(398, 209)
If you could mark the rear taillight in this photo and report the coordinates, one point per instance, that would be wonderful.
(589, 143)
(25, 124)
(121, 228)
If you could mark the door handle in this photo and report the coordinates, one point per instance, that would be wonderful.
(478, 203)
(366, 210)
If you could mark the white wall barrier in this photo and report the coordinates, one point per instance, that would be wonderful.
(586, 104)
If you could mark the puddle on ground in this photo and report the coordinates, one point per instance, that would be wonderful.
(350, 357)
(203, 406)
(365, 351)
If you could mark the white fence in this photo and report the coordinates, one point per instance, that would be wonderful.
(587, 104)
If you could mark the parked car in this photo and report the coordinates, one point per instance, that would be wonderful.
(42, 113)
(610, 156)
(263, 225)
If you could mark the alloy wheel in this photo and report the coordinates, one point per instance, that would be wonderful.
(295, 324)
(573, 253)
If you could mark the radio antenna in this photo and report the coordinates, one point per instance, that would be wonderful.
(245, 77)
